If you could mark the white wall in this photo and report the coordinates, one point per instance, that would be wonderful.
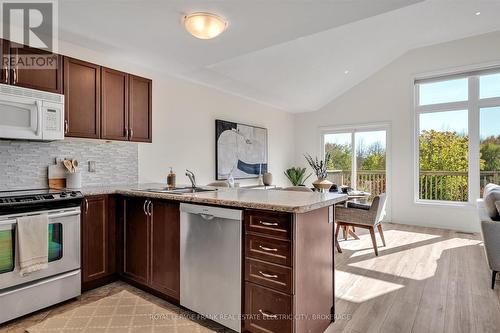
(184, 116)
(387, 96)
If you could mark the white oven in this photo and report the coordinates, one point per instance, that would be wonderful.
(30, 114)
(20, 295)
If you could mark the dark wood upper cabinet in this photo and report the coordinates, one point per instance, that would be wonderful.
(4, 54)
(100, 103)
(136, 236)
(115, 107)
(82, 98)
(45, 74)
(165, 248)
(140, 109)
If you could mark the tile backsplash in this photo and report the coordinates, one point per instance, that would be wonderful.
(23, 164)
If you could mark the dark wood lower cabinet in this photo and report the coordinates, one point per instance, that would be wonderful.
(98, 241)
(136, 240)
(266, 310)
(165, 248)
(151, 255)
(289, 267)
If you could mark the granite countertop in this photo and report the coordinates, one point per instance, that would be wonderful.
(275, 200)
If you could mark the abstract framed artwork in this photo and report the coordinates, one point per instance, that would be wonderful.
(240, 150)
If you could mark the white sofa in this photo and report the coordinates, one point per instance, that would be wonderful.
(490, 230)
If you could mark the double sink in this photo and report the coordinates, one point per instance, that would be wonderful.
(180, 190)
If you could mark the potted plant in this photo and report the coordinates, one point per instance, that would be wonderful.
(297, 176)
(319, 167)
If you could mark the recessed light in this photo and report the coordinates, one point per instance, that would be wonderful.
(346, 72)
(478, 13)
(204, 25)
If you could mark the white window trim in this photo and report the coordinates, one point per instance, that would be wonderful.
(473, 106)
(379, 126)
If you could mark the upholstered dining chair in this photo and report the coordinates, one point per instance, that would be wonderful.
(367, 218)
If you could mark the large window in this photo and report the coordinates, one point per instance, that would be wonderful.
(457, 136)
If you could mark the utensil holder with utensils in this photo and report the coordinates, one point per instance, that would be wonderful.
(74, 179)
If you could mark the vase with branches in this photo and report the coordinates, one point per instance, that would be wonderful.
(319, 167)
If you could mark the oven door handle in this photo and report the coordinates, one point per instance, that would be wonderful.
(63, 214)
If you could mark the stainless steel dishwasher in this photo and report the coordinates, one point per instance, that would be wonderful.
(211, 263)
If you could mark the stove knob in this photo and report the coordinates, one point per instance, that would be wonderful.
(63, 195)
(73, 194)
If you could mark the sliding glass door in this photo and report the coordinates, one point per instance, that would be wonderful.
(358, 158)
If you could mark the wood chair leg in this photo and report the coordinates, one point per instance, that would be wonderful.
(493, 278)
(374, 240)
(352, 233)
(381, 232)
(337, 245)
(344, 230)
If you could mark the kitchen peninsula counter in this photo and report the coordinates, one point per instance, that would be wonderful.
(274, 200)
(287, 249)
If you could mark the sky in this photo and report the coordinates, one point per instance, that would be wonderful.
(455, 91)
(457, 121)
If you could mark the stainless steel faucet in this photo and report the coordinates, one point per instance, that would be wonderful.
(191, 177)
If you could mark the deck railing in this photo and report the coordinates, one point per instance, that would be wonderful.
(372, 181)
(433, 185)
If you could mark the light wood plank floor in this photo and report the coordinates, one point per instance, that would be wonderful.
(425, 280)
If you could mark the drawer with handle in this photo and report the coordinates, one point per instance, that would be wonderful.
(266, 310)
(271, 223)
(269, 249)
(269, 275)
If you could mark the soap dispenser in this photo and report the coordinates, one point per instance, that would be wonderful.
(171, 179)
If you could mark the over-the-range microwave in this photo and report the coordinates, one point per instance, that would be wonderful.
(30, 114)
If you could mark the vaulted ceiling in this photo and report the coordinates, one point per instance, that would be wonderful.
(296, 55)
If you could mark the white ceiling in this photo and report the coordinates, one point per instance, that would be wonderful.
(290, 54)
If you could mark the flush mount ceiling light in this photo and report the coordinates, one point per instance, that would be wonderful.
(204, 25)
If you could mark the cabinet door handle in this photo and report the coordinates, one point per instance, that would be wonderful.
(269, 249)
(6, 75)
(144, 207)
(150, 207)
(126, 133)
(271, 276)
(131, 134)
(268, 224)
(86, 205)
(15, 75)
(66, 126)
(267, 315)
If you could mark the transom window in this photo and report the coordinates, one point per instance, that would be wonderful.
(457, 136)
